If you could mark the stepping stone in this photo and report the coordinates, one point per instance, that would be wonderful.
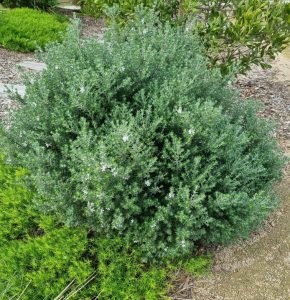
(70, 8)
(32, 65)
(19, 88)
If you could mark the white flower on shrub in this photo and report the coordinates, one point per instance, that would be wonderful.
(91, 207)
(87, 177)
(114, 172)
(183, 244)
(125, 138)
(122, 69)
(103, 167)
(153, 225)
(171, 195)
(82, 89)
(191, 131)
(147, 182)
(179, 110)
(47, 145)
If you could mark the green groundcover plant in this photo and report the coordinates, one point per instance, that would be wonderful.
(24, 29)
(134, 136)
(38, 257)
(41, 259)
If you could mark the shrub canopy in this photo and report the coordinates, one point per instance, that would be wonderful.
(134, 136)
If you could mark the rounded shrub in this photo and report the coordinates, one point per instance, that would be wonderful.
(134, 136)
(25, 29)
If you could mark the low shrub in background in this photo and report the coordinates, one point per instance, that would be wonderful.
(135, 137)
(36, 4)
(238, 34)
(125, 9)
(24, 29)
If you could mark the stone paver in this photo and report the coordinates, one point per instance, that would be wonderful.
(32, 65)
(16, 87)
(75, 8)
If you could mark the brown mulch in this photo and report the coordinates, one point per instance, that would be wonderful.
(92, 27)
(8, 65)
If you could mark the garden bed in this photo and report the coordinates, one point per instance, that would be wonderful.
(265, 85)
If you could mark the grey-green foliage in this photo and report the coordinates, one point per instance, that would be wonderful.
(135, 136)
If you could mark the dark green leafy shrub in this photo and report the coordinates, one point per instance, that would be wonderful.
(136, 137)
(287, 9)
(40, 4)
(24, 29)
(239, 33)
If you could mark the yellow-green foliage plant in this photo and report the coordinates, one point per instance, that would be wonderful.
(25, 29)
(38, 258)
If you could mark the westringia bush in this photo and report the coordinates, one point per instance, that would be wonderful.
(134, 136)
(25, 29)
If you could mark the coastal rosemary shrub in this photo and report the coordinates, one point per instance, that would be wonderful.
(135, 137)
(25, 29)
